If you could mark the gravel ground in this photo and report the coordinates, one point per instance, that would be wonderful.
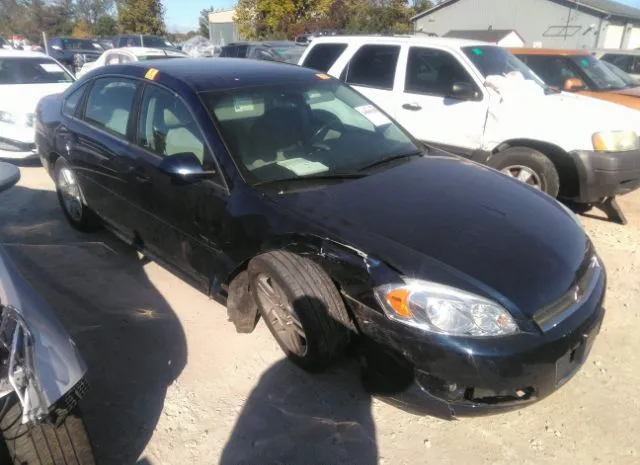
(172, 383)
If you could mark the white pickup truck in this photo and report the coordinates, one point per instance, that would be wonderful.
(479, 101)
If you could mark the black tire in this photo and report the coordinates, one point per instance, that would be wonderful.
(536, 161)
(43, 443)
(87, 221)
(316, 302)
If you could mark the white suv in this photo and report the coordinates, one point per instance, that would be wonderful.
(479, 101)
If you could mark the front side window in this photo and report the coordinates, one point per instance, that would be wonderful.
(109, 104)
(598, 75)
(496, 61)
(373, 66)
(23, 70)
(433, 72)
(553, 70)
(321, 57)
(292, 130)
(166, 126)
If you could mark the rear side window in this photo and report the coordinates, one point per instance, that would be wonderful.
(373, 66)
(71, 103)
(323, 56)
(228, 51)
(109, 104)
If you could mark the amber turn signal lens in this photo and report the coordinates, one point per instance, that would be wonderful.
(398, 299)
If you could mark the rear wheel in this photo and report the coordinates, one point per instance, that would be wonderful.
(71, 199)
(528, 166)
(301, 307)
(43, 443)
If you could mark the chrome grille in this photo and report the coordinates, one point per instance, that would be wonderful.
(565, 306)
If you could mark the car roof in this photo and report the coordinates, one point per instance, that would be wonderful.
(548, 51)
(400, 40)
(22, 54)
(208, 74)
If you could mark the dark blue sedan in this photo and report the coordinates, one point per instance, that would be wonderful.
(292, 197)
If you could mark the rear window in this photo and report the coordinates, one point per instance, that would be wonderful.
(21, 70)
(323, 56)
(80, 44)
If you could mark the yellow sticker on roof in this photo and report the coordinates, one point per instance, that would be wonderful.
(151, 74)
(323, 76)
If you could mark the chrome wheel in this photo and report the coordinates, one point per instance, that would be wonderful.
(70, 193)
(525, 175)
(282, 317)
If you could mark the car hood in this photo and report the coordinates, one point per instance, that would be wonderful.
(454, 222)
(627, 97)
(23, 98)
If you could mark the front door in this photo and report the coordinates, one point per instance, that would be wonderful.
(180, 220)
(425, 104)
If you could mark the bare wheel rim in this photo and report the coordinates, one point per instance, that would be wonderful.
(70, 192)
(525, 175)
(282, 317)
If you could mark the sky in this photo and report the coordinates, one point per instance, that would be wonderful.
(182, 15)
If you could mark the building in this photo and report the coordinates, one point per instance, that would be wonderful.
(503, 38)
(222, 29)
(541, 23)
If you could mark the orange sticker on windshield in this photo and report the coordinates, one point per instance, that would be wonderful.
(323, 76)
(151, 74)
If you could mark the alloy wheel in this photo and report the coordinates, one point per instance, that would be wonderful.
(70, 192)
(524, 174)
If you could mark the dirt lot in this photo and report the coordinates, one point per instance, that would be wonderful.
(172, 383)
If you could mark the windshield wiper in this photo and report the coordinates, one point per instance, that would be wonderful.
(384, 161)
(313, 177)
(552, 90)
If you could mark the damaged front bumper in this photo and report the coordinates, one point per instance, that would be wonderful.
(39, 361)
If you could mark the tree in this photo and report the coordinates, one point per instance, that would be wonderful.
(105, 26)
(92, 10)
(141, 16)
(204, 21)
(82, 29)
(421, 5)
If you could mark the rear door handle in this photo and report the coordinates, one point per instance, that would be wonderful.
(412, 106)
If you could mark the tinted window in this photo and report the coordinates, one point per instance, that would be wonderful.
(597, 74)
(80, 44)
(373, 66)
(109, 104)
(156, 42)
(241, 51)
(31, 71)
(553, 70)
(293, 130)
(166, 126)
(70, 104)
(323, 56)
(228, 51)
(621, 61)
(433, 72)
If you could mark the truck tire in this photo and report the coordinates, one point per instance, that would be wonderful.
(301, 307)
(72, 200)
(43, 443)
(530, 166)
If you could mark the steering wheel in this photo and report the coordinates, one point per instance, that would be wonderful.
(322, 132)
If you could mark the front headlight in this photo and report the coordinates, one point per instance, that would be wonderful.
(615, 141)
(445, 310)
(9, 118)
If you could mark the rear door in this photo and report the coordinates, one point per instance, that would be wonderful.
(425, 105)
(180, 221)
(97, 149)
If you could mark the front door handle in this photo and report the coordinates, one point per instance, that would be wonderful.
(412, 106)
(137, 172)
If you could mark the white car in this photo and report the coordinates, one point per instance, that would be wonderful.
(116, 56)
(25, 77)
(478, 100)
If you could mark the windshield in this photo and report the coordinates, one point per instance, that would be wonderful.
(80, 44)
(498, 61)
(31, 71)
(289, 131)
(599, 75)
(156, 42)
(628, 80)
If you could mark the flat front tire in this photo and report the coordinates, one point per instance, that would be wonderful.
(528, 166)
(72, 200)
(301, 307)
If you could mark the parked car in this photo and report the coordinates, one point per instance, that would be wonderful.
(283, 51)
(580, 71)
(42, 376)
(25, 78)
(291, 195)
(74, 53)
(479, 101)
(140, 40)
(117, 56)
(627, 60)
(629, 80)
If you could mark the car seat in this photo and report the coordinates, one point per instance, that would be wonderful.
(181, 132)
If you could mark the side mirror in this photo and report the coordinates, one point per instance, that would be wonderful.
(463, 91)
(9, 175)
(185, 166)
(573, 85)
